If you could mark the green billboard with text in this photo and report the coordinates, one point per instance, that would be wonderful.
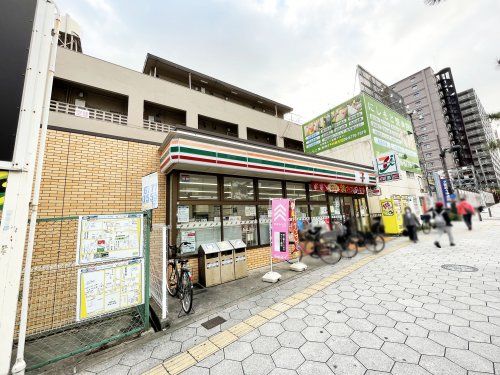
(358, 117)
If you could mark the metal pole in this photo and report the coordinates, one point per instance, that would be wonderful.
(20, 365)
(482, 170)
(447, 174)
(17, 198)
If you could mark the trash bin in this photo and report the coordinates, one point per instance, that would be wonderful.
(209, 264)
(240, 259)
(226, 261)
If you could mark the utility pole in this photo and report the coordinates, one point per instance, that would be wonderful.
(21, 170)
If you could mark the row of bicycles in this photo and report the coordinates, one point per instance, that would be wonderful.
(341, 242)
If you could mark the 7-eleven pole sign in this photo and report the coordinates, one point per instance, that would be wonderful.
(280, 217)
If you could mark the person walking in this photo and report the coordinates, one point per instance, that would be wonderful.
(465, 210)
(442, 223)
(410, 222)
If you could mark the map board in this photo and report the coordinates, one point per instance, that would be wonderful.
(104, 238)
(111, 287)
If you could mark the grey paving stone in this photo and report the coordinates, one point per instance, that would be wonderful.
(425, 345)
(470, 315)
(342, 345)
(296, 313)
(271, 329)
(432, 324)
(401, 316)
(354, 312)
(265, 345)
(227, 367)
(316, 351)
(250, 336)
(238, 351)
(135, 356)
(411, 329)
(144, 366)
(352, 303)
(437, 308)
(486, 328)
(212, 360)
(336, 317)
(452, 320)
(240, 314)
(166, 350)
(488, 351)
(291, 339)
(103, 365)
(316, 334)
(390, 334)
(196, 370)
(258, 364)
(345, 365)
(392, 305)
(264, 302)
(282, 371)
(339, 329)
(360, 324)
(315, 321)
(315, 310)
(316, 301)
(288, 358)
(420, 312)
(316, 368)
(366, 340)
(374, 359)
(440, 366)
(470, 334)
(189, 343)
(116, 370)
(448, 340)
(183, 334)
(400, 352)
(408, 369)
(279, 319)
(292, 324)
(469, 360)
(374, 309)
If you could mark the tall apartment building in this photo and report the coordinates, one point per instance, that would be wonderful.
(422, 99)
(480, 133)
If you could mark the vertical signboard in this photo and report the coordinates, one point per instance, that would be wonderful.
(150, 191)
(279, 228)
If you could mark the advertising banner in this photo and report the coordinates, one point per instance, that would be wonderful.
(150, 191)
(362, 115)
(341, 124)
(338, 188)
(279, 228)
(391, 132)
(108, 288)
(104, 238)
(444, 190)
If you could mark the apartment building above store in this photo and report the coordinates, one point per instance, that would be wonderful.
(95, 96)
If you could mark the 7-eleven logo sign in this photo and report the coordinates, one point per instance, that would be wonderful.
(387, 164)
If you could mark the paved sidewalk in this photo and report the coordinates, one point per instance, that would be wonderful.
(399, 313)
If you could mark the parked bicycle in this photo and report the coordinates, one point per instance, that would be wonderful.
(425, 223)
(329, 246)
(180, 284)
(374, 240)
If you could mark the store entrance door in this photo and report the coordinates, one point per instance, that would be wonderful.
(343, 207)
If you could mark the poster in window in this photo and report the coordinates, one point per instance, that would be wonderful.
(183, 214)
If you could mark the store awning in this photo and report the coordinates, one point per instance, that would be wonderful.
(192, 149)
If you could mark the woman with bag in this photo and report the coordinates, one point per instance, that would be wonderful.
(410, 222)
(442, 223)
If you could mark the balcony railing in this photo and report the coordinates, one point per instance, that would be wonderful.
(157, 126)
(91, 113)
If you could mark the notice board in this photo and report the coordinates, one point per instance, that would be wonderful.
(108, 288)
(104, 238)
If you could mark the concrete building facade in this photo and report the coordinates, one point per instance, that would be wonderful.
(480, 134)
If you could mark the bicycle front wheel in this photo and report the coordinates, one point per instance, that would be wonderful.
(172, 279)
(329, 252)
(376, 244)
(187, 292)
(350, 248)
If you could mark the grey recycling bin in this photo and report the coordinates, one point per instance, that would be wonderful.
(209, 264)
(240, 259)
(226, 261)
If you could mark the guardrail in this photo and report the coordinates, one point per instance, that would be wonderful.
(157, 126)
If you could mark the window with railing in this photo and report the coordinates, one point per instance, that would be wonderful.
(86, 112)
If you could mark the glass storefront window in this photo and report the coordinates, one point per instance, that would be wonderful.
(317, 195)
(270, 189)
(197, 186)
(302, 216)
(296, 190)
(319, 214)
(198, 224)
(238, 188)
(264, 222)
(240, 222)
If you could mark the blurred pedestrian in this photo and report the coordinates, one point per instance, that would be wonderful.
(442, 223)
(466, 210)
(410, 222)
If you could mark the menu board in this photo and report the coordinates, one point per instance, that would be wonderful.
(108, 288)
(104, 238)
(341, 124)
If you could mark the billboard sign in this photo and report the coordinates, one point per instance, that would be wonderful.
(341, 124)
(280, 220)
(358, 117)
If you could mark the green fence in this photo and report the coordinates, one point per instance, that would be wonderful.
(66, 296)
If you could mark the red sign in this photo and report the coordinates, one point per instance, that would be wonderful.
(331, 187)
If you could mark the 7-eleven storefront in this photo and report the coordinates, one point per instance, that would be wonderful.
(220, 189)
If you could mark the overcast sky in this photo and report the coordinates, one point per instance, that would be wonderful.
(302, 53)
